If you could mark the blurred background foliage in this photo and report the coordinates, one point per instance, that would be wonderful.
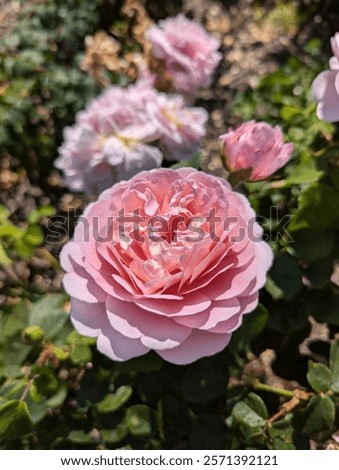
(277, 385)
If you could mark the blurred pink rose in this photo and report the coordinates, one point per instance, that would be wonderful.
(255, 149)
(180, 127)
(325, 87)
(189, 52)
(170, 260)
(110, 140)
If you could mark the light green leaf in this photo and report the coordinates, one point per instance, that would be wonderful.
(81, 353)
(114, 401)
(49, 314)
(5, 260)
(15, 421)
(139, 420)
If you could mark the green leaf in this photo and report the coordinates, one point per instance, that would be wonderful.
(4, 213)
(49, 314)
(113, 402)
(13, 389)
(59, 397)
(281, 432)
(334, 366)
(139, 420)
(305, 171)
(319, 377)
(34, 217)
(317, 208)
(312, 245)
(10, 230)
(81, 353)
(34, 236)
(23, 248)
(327, 310)
(17, 320)
(4, 259)
(15, 421)
(286, 275)
(113, 436)
(249, 421)
(252, 325)
(146, 363)
(320, 415)
(288, 112)
(80, 437)
(257, 404)
(193, 162)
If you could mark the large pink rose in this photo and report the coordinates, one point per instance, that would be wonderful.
(325, 87)
(170, 260)
(255, 150)
(188, 51)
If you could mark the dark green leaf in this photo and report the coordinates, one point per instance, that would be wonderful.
(193, 162)
(334, 366)
(327, 310)
(286, 275)
(313, 246)
(281, 432)
(317, 208)
(257, 404)
(320, 414)
(203, 384)
(319, 377)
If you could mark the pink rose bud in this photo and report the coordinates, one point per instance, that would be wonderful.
(170, 260)
(255, 150)
(188, 51)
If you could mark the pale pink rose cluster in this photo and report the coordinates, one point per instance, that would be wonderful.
(169, 261)
(189, 53)
(124, 131)
(325, 87)
(255, 150)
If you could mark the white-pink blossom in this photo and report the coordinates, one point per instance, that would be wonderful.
(325, 87)
(110, 140)
(181, 127)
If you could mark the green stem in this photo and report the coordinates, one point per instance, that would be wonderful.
(277, 391)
